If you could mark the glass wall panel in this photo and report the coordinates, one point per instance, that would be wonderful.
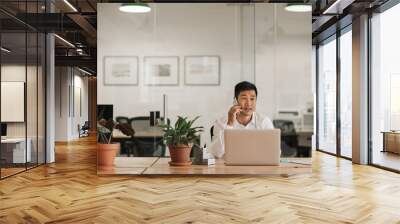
(185, 60)
(346, 94)
(31, 100)
(385, 84)
(41, 79)
(14, 152)
(22, 90)
(327, 96)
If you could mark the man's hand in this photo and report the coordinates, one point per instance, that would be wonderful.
(233, 113)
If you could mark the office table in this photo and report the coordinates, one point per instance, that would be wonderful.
(150, 133)
(152, 136)
(149, 166)
(391, 141)
(13, 150)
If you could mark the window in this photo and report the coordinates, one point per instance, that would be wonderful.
(385, 89)
(327, 96)
(346, 93)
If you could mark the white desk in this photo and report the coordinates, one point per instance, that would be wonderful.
(17, 147)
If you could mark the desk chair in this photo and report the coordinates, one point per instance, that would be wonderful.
(145, 147)
(289, 142)
(212, 132)
(83, 130)
(122, 120)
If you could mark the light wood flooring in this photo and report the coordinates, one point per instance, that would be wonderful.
(69, 191)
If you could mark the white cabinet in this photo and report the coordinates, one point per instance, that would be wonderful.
(17, 147)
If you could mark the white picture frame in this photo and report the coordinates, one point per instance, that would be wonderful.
(121, 70)
(161, 70)
(202, 70)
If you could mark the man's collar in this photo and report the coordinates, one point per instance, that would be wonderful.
(252, 121)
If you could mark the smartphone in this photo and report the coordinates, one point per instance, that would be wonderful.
(236, 103)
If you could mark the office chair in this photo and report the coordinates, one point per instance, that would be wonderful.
(84, 129)
(122, 120)
(289, 142)
(144, 146)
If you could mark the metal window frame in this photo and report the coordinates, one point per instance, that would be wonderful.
(44, 74)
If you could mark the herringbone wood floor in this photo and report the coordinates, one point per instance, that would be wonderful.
(70, 192)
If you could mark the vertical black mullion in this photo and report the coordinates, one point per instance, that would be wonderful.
(0, 94)
(37, 89)
(369, 90)
(338, 73)
(26, 86)
(45, 88)
(317, 96)
(45, 94)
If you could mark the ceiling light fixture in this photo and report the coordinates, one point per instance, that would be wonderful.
(135, 7)
(70, 5)
(5, 50)
(335, 8)
(298, 7)
(64, 40)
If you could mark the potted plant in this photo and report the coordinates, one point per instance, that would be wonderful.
(106, 150)
(179, 139)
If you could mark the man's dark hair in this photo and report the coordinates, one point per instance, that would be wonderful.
(244, 86)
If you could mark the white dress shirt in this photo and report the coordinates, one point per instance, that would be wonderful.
(217, 145)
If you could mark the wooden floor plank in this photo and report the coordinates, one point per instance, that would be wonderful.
(69, 191)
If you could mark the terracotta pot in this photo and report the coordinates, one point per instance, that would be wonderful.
(180, 155)
(106, 155)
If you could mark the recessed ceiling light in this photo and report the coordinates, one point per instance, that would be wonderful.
(64, 40)
(298, 7)
(84, 71)
(135, 7)
(70, 5)
(5, 50)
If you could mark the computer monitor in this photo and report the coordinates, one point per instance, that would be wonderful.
(3, 129)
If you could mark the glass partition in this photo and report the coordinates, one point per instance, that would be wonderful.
(13, 113)
(385, 89)
(327, 96)
(346, 93)
(185, 60)
(22, 90)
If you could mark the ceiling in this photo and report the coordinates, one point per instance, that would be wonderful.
(78, 24)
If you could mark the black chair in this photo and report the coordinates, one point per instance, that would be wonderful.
(122, 120)
(289, 142)
(146, 146)
(84, 130)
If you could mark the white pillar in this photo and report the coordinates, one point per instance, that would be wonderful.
(360, 90)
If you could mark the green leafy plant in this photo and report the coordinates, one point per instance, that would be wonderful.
(182, 132)
(106, 127)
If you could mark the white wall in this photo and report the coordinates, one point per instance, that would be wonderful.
(263, 44)
(68, 81)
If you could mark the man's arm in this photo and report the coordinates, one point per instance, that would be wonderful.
(217, 145)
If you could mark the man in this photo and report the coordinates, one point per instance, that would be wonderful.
(241, 115)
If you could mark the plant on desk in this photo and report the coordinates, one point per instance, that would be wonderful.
(180, 139)
(106, 150)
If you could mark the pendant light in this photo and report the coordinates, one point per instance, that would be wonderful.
(135, 7)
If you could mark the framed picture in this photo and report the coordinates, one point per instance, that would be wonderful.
(121, 70)
(161, 71)
(202, 70)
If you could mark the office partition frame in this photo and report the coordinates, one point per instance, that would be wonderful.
(43, 54)
(337, 35)
(382, 8)
(387, 5)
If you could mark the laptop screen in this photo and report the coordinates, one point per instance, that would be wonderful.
(3, 129)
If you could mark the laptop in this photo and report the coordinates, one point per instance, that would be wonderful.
(252, 147)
